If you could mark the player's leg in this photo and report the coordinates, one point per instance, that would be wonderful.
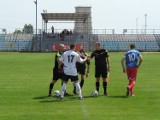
(130, 86)
(128, 75)
(74, 88)
(78, 88)
(97, 83)
(105, 79)
(82, 81)
(97, 76)
(135, 70)
(132, 74)
(65, 93)
(78, 66)
(54, 79)
(82, 72)
(81, 84)
(65, 80)
(51, 87)
(105, 86)
(63, 89)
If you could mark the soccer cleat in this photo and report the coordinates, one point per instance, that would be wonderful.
(74, 91)
(106, 94)
(61, 98)
(49, 95)
(132, 94)
(127, 93)
(81, 98)
(66, 94)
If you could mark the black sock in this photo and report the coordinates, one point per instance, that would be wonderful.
(74, 89)
(50, 87)
(105, 87)
(97, 86)
(81, 83)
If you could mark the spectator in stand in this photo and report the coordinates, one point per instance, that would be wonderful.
(70, 32)
(52, 28)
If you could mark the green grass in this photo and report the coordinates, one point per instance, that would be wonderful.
(25, 77)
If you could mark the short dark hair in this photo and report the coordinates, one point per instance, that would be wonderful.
(72, 46)
(98, 43)
(132, 46)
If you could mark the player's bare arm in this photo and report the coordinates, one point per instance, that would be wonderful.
(84, 60)
(60, 69)
(140, 61)
(87, 73)
(108, 64)
(122, 63)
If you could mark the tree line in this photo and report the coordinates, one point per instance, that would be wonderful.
(27, 29)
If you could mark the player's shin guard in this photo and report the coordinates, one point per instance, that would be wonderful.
(105, 87)
(81, 83)
(63, 89)
(78, 89)
(50, 88)
(97, 86)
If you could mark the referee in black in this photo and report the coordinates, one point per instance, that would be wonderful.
(102, 66)
(57, 70)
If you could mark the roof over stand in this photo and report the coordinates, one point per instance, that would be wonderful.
(64, 16)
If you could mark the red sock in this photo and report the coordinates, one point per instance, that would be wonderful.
(131, 84)
(131, 90)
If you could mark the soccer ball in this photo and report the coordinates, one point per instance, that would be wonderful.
(57, 93)
(94, 93)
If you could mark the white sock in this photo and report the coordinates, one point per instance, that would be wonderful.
(63, 89)
(78, 88)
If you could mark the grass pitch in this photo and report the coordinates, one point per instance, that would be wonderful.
(25, 77)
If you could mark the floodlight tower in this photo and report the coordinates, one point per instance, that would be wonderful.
(145, 25)
(36, 16)
(137, 25)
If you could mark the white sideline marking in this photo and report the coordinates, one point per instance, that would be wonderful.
(84, 111)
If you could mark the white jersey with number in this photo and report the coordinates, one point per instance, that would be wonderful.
(69, 59)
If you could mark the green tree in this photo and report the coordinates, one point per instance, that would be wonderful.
(17, 32)
(27, 29)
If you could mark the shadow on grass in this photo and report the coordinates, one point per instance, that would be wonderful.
(40, 97)
(46, 99)
(50, 101)
(43, 97)
(54, 99)
(119, 96)
(90, 96)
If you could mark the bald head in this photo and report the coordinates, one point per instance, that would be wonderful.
(61, 47)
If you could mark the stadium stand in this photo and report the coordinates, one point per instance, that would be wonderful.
(111, 42)
(120, 42)
(86, 40)
(16, 42)
(157, 37)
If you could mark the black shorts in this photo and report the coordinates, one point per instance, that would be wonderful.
(81, 68)
(67, 77)
(101, 71)
(56, 74)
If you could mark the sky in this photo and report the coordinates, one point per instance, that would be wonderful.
(106, 14)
